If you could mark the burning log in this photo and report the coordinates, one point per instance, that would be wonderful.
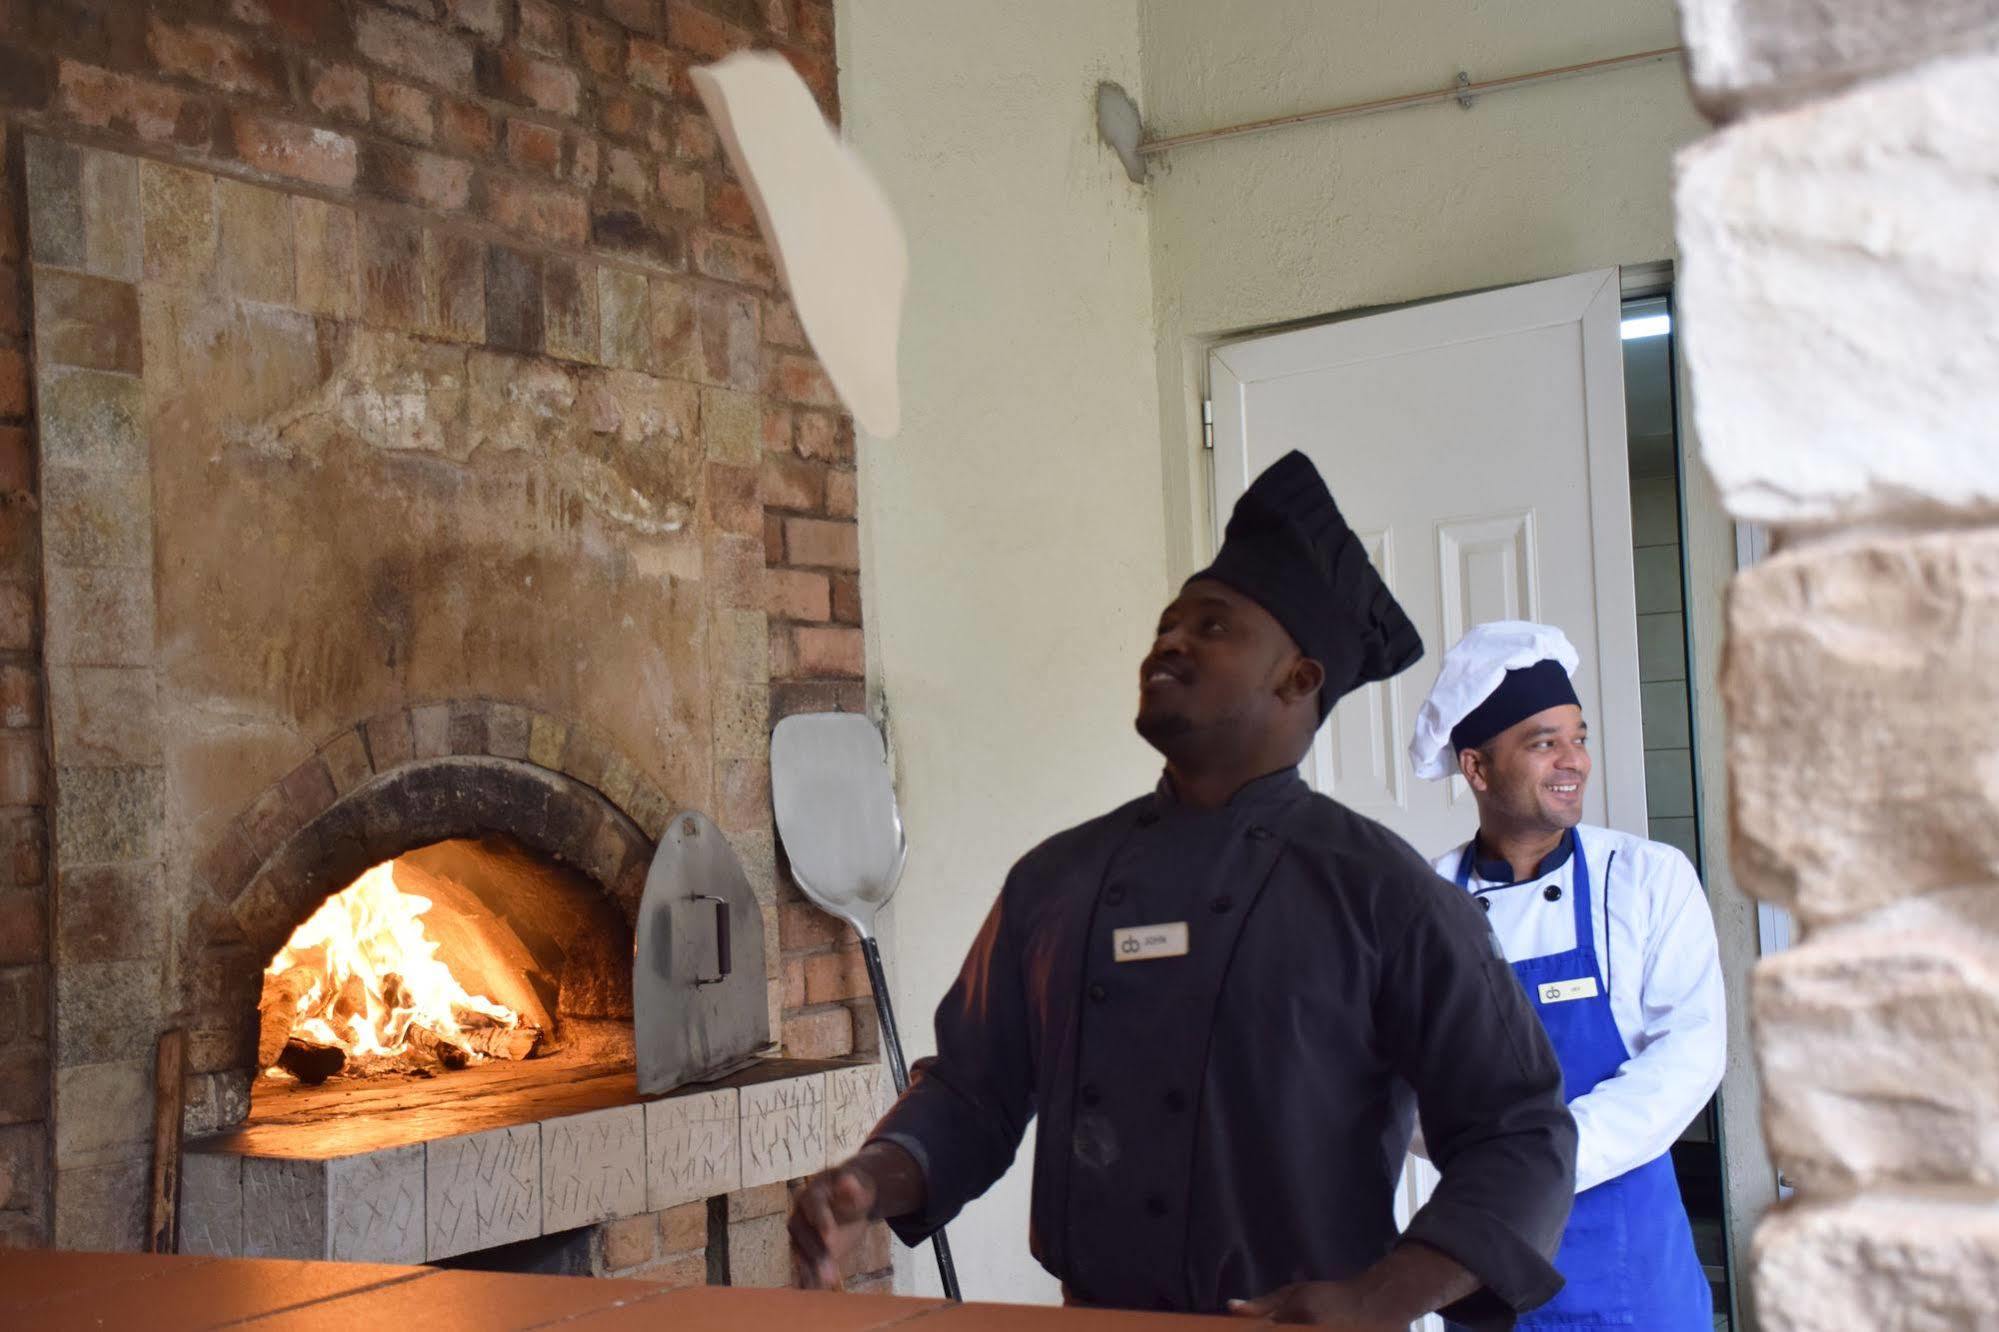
(279, 1009)
(311, 1062)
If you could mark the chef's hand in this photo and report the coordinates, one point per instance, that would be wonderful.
(831, 1213)
(1414, 1279)
(1336, 1304)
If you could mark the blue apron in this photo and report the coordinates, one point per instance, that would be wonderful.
(1628, 1253)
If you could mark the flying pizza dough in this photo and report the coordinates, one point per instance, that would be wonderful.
(837, 244)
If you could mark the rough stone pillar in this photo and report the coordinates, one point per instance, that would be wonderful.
(1839, 278)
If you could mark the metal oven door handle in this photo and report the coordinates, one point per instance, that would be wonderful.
(724, 958)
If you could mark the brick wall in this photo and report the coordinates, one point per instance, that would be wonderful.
(1838, 288)
(24, 896)
(544, 135)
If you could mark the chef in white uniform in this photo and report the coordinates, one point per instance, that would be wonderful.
(1611, 936)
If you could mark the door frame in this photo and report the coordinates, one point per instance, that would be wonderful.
(1595, 300)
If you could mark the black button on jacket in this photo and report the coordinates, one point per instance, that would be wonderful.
(1348, 989)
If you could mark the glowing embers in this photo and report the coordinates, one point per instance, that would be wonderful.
(382, 979)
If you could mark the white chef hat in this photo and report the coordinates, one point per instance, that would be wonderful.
(1498, 674)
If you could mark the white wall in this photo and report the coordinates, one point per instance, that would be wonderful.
(1013, 552)
(1317, 220)
(1048, 488)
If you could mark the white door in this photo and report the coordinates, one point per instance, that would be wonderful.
(1477, 447)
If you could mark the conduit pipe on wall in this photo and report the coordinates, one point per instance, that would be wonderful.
(1464, 91)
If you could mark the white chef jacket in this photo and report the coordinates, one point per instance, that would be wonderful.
(1655, 943)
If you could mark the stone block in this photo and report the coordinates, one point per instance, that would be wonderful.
(107, 1011)
(508, 730)
(390, 741)
(1836, 283)
(97, 518)
(103, 1112)
(625, 317)
(513, 299)
(759, 1252)
(284, 1208)
(692, 1147)
(465, 727)
(375, 1207)
(56, 229)
(393, 273)
(569, 309)
(105, 716)
(629, 1243)
(856, 1099)
(111, 913)
(86, 321)
(730, 338)
(482, 1190)
(177, 214)
(108, 814)
(1850, 1021)
(784, 1129)
(1844, 662)
(255, 258)
(100, 617)
(93, 419)
(346, 759)
(211, 1204)
(732, 427)
(430, 730)
(102, 1206)
(593, 1168)
(22, 769)
(23, 929)
(327, 256)
(1743, 54)
(683, 1229)
(676, 350)
(548, 738)
(1876, 1262)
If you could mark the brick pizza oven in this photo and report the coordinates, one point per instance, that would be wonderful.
(414, 463)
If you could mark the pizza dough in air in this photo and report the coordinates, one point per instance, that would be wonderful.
(836, 242)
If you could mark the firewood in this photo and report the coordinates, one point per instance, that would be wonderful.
(278, 1011)
(311, 1062)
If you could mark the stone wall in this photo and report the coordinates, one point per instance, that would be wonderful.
(1837, 294)
(412, 359)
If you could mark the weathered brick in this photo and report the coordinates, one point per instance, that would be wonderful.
(625, 172)
(802, 927)
(217, 58)
(406, 112)
(320, 156)
(683, 189)
(729, 206)
(794, 982)
(846, 599)
(777, 17)
(842, 494)
(488, 18)
(23, 927)
(340, 91)
(102, 99)
(464, 127)
(518, 77)
(420, 50)
(778, 429)
(781, 326)
(13, 383)
(694, 138)
(818, 73)
(827, 1033)
(18, 617)
(654, 65)
(545, 212)
(631, 231)
(794, 483)
(536, 147)
(813, 20)
(17, 461)
(818, 543)
(829, 650)
(832, 977)
(701, 32)
(798, 378)
(638, 15)
(583, 160)
(684, 1228)
(598, 44)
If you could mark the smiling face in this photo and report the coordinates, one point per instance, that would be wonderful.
(1222, 673)
(1531, 776)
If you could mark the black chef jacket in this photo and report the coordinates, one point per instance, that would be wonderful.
(1219, 1124)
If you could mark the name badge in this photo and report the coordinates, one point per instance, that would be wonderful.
(1560, 992)
(1147, 943)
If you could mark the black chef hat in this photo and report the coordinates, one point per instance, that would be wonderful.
(1288, 549)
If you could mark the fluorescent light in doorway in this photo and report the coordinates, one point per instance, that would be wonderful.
(1646, 326)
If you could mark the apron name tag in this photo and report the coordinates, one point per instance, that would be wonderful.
(1558, 992)
(1146, 943)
